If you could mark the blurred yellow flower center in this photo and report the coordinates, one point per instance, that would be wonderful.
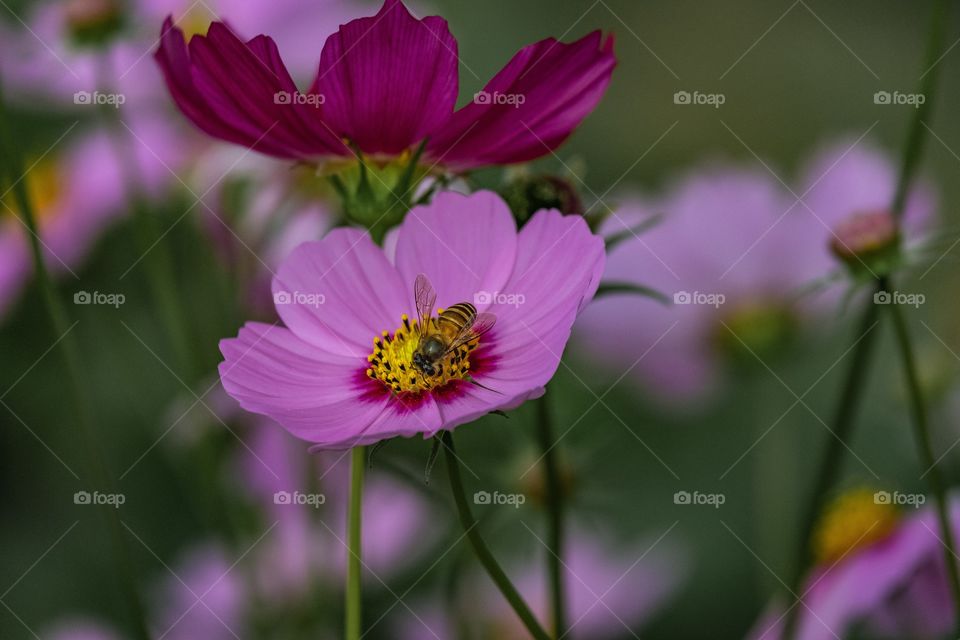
(853, 521)
(42, 182)
(392, 360)
(195, 22)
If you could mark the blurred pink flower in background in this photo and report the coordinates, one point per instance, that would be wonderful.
(77, 190)
(385, 83)
(734, 248)
(892, 587)
(611, 591)
(329, 376)
(204, 598)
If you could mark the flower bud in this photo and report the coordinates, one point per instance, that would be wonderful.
(92, 22)
(868, 239)
(527, 194)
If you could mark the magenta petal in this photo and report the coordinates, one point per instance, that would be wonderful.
(311, 392)
(559, 84)
(339, 293)
(228, 89)
(389, 80)
(465, 245)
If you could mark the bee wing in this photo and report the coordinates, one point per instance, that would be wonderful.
(483, 323)
(424, 296)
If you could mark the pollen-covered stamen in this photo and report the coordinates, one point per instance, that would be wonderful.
(392, 360)
(854, 520)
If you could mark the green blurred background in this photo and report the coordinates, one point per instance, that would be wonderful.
(793, 73)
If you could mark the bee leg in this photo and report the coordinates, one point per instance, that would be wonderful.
(474, 382)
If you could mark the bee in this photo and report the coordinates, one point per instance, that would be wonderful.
(455, 327)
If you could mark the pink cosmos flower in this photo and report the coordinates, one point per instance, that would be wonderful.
(893, 587)
(735, 248)
(341, 372)
(385, 84)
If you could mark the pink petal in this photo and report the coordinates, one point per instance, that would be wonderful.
(340, 293)
(559, 84)
(389, 80)
(313, 393)
(227, 88)
(465, 245)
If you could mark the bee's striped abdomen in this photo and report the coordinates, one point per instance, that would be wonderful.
(458, 317)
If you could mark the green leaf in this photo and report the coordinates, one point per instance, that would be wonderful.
(634, 231)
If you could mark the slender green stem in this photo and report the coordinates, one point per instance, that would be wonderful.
(70, 352)
(554, 500)
(929, 82)
(922, 432)
(358, 461)
(830, 465)
(483, 553)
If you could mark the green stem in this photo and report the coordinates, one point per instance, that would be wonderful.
(483, 553)
(70, 352)
(358, 461)
(554, 500)
(922, 433)
(830, 465)
(916, 137)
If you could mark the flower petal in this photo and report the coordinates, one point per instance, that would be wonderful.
(339, 293)
(389, 80)
(228, 88)
(314, 394)
(548, 87)
(465, 245)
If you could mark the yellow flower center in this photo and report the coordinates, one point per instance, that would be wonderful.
(392, 360)
(854, 520)
(195, 22)
(42, 183)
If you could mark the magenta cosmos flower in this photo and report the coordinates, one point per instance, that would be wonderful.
(341, 373)
(877, 571)
(385, 84)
